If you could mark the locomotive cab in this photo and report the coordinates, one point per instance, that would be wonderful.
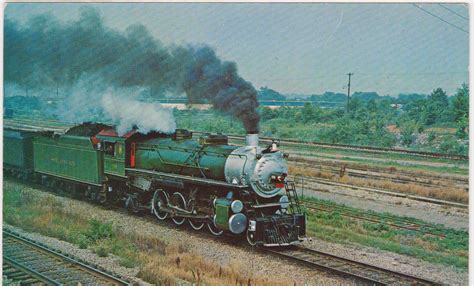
(117, 150)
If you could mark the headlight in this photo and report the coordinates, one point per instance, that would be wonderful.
(236, 206)
(284, 202)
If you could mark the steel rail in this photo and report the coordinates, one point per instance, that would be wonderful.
(52, 264)
(381, 191)
(327, 162)
(375, 218)
(456, 157)
(418, 179)
(19, 273)
(357, 270)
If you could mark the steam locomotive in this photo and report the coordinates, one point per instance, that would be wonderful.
(241, 191)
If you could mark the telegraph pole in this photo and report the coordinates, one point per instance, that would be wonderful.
(348, 90)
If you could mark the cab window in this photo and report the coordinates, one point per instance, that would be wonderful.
(109, 148)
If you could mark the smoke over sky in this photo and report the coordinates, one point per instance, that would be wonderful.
(90, 60)
(306, 48)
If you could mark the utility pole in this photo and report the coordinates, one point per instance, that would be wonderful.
(348, 90)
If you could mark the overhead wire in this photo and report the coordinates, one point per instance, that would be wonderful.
(454, 12)
(365, 74)
(441, 19)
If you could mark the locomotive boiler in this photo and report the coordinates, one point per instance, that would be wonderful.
(205, 182)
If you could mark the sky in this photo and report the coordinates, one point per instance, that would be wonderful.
(307, 48)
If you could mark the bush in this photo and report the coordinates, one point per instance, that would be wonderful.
(102, 248)
(450, 146)
(98, 231)
(431, 137)
(83, 241)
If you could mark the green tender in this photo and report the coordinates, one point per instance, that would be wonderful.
(69, 157)
(185, 157)
(18, 149)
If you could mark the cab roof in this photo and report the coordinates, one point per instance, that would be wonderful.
(113, 133)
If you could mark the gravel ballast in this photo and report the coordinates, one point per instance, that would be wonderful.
(214, 250)
(110, 263)
(225, 253)
(450, 217)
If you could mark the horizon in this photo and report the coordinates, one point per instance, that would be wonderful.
(390, 48)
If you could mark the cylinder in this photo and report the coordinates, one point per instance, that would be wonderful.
(252, 140)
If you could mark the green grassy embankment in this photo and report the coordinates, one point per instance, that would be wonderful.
(333, 227)
(43, 213)
(156, 259)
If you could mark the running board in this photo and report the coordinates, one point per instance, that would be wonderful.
(160, 176)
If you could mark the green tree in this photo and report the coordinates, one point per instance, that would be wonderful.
(415, 109)
(436, 108)
(460, 107)
(462, 123)
(407, 130)
(267, 113)
(307, 112)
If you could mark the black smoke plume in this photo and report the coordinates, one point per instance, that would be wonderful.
(46, 53)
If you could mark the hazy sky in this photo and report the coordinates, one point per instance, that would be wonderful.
(308, 48)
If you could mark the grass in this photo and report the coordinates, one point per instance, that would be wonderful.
(213, 121)
(162, 262)
(452, 193)
(332, 227)
(405, 166)
(279, 128)
(221, 123)
(159, 262)
(370, 155)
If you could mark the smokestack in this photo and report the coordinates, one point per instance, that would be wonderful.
(252, 140)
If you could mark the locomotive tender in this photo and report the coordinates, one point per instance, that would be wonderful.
(205, 182)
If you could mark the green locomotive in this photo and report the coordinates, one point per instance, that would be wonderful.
(204, 182)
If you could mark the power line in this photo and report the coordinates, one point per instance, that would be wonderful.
(454, 12)
(416, 73)
(365, 74)
(441, 19)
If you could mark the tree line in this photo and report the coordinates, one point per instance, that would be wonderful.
(369, 116)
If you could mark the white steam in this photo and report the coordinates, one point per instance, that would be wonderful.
(126, 113)
(90, 101)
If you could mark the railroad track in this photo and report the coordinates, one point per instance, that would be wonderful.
(455, 157)
(26, 262)
(374, 174)
(394, 222)
(359, 271)
(309, 181)
(14, 272)
(33, 127)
